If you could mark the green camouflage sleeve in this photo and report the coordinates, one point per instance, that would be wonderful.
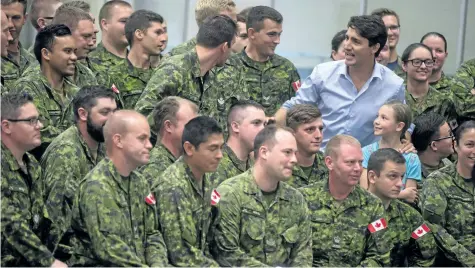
(433, 205)
(301, 254)
(179, 229)
(166, 81)
(155, 248)
(15, 225)
(466, 73)
(464, 101)
(378, 250)
(226, 232)
(61, 176)
(98, 206)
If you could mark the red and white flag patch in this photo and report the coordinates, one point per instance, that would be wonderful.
(215, 197)
(420, 231)
(150, 199)
(115, 89)
(377, 225)
(296, 85)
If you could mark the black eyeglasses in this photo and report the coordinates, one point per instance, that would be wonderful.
(443, 138)
(32, 121)
(393, 27)
(418, 62)
(48, 18)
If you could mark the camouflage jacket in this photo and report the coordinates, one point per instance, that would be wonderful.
(249, 233)
(130, 81)
(160, 159)
(466, 73)
(427, 170)
(406, 251)
(183, 47)
(114, 221)
(340, 232)
(447, 201)
(102, 63)
(184, 211)
(269, 83)
(229, 166)
(319, 173)
(65, 163)
(12, 70)
(22, 206)
(83, 76)
(56, 111)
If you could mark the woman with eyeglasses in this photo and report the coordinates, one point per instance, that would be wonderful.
(417, 63)
(447, 202)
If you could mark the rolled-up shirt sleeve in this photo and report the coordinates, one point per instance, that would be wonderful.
(308, 92)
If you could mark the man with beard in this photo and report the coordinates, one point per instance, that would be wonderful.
(70, 157)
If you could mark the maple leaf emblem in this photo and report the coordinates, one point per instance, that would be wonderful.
(420, 231)
(378, 225)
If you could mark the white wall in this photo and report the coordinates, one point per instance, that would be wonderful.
(309, 25)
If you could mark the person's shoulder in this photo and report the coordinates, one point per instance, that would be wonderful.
(367, 199)
(314, 190)
(64, 144)
(389, 77)
(291, 194)
(283, 62)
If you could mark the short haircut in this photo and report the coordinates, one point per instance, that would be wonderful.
(382, 12)
(380, 157)
(87, 97)
(258, 14)
(209, 8)
(408, 51)
(242, 16)
(198, 130)
(337, 39)
(167, 109)
(140, 20)
(46, 38)
(12, 102)
(36, 7)
(9, 2)
(334, 144)
(238, 107)
(466, 126)
(82, 5)
(302, 114)
(436, 34)
(215, 31)
(105, 12)
(371, 28)
(427, 128)
(70, 16)
(267, 136)
(402, 113)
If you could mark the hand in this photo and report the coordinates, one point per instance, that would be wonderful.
(409, 194)
(59, 264)
(407, 147)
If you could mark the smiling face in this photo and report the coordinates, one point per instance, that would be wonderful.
(465, 149)
(437, 45)
(280, 158)
(267, 39)
(420, 73)
(345, 165)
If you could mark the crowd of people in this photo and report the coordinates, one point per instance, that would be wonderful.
(219, 154)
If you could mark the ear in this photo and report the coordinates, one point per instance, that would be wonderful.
(6, 127)
(103, 24)
(168, 126)
(251, 33)
(375, 48)
(82, 114)
(264, 152)
(433, 146)
(117, 139)
(139, 34)
(404, 66)
(372, 177)
(235, 127)
(45, 54)
(400, 126)
(189, 148)
(224, 47)
(41, 22)
(333, 54)
(329, 162)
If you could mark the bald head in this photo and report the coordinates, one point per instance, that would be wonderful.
(333, 146)
(121, 122)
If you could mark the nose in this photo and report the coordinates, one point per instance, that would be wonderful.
(293, 158)
(220, 154)
(39, 124)
(9, 36)
(73, 56)
(277, 40)
(399, 182)
(148, 144)
(318, 134)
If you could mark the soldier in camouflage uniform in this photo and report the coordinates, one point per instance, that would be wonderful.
(5, 39)
(268, 78)
(112, 50)
(433, 140)
(82, 26)
(131, 78)
(22, 191)
(412, 239)
(187, 75)
(260, 220)
(70, 157)
(245, 120)
(306, 121)
(447, 203)
(203, 10)
(170, 116)
(114, 212)
(348, 223)
(52, 96)
(18, 59)
(41, 14)
(183, 194)
(466, 73)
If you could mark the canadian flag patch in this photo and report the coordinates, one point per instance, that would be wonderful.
(115, 89)
(215, 197)
(377, 225)
(420, 231)
(150, 199)
(296, 85)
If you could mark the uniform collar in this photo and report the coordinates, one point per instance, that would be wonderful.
(239, 164)
(251, 187)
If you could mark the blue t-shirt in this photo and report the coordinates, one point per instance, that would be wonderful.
(413, 164)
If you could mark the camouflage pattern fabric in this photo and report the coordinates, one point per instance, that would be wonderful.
(319, 173)
(160, 159)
